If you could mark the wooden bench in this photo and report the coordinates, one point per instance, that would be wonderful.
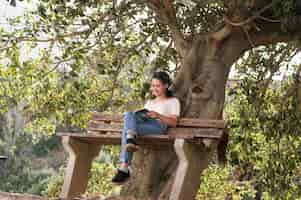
(106, 129)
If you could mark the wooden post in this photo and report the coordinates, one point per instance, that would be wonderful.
(81, 156)
(193, 159)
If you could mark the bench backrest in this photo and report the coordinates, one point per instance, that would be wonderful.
(186, 128)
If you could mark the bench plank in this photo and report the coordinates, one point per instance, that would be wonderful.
(183, 133)
(114, 134)
(186, 122)
(115, 139)
(155, 142)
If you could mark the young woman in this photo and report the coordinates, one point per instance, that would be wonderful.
(161, 112)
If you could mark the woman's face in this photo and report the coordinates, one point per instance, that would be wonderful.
(158, 88)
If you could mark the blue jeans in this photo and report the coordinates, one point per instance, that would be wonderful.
(146, 127)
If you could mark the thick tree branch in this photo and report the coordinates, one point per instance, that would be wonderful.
(272, 33)
(251, 18)
(246, 22)
(223, 33)
(167, 15)
(103, 17)
(56, 38)
(259, 28)
(53, 39)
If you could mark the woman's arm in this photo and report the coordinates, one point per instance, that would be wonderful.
(169, 120)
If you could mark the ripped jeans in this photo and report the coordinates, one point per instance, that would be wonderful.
(146, 127)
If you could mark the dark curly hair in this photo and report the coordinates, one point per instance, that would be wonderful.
(165, 79)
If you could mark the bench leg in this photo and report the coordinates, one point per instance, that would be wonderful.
(81, 156)
(193, 158)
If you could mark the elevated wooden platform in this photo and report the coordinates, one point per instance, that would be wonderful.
(104, 129)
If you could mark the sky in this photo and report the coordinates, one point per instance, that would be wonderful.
(7, 11)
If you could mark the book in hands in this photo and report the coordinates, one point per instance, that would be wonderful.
(142, 114)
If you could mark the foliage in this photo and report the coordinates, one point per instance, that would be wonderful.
(85, 45)
(265, 124)
(216, 185)
(55, 184)
(55, 86)
(17, 174)
(48, 98)
(99, 182)
(45, 145)
(263, 110)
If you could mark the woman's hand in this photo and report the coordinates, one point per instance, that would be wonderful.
(153, 114)
(169, 120)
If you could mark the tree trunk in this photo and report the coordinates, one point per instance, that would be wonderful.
(200, 85)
